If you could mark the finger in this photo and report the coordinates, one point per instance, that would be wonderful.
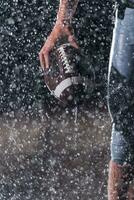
(72, 41)
(42, 61)
(47, 49)
(46, 58)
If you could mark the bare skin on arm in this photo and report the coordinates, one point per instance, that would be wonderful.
(62, 28)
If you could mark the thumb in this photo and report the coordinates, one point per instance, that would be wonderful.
(72, 41)
(71, 38)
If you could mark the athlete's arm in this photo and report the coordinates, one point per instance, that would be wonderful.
(62, 28)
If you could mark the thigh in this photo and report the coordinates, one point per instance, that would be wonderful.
(121, 102)
(122, 152)
(121, 73)
(122, 49)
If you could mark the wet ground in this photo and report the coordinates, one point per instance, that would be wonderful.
(54, 157)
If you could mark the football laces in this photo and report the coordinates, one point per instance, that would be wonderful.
(63, 57)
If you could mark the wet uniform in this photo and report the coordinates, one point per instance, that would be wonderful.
(121, 85)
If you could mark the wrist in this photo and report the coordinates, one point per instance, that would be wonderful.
(63, 23)
(64, 19)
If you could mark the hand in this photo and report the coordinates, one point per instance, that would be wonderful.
(58, 31)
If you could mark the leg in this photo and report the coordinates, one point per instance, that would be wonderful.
(120, 167)
(122, 144)
(121, 106)
(118, 181)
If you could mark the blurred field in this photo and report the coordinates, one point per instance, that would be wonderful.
(52, 158)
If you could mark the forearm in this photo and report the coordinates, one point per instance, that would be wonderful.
(66, 11)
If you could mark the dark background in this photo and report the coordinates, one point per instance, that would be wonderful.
(47, 152)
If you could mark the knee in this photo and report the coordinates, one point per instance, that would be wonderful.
(120, 151)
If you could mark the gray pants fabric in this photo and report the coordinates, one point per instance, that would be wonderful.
(121, 150)
(121, 88)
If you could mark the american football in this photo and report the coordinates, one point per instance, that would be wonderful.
(67, 78)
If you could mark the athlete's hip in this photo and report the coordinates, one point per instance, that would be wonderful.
(122, 49)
